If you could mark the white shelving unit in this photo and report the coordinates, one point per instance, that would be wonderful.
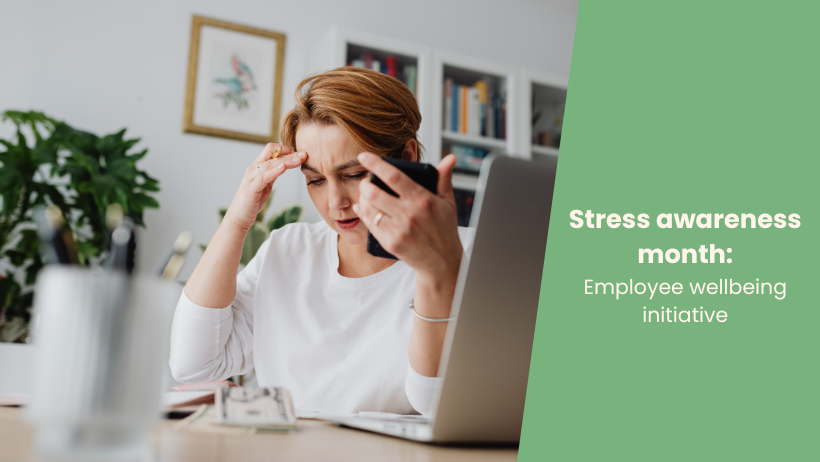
(544, 150)
(524, 90)
(338, 47)
(466, 70)
(544, 92)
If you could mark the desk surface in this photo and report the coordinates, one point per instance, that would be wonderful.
(315, 441)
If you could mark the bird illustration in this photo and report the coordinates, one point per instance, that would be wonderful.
(238, 85)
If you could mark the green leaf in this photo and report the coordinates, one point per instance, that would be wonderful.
(137, 156)
(147, 201)
(254, 239)
(260, 217)
(285, 217)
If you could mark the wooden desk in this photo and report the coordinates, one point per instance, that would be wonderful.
(315, 441)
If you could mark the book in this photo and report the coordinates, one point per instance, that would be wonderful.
(448, 105)
(455, 125)
(491, 107)
(502, 131)
(468, 112)
(477, 110)
(468, 158)
(474, 116)
(412, 77)
(464, 205)
(462, 110)
(195, 394)
(390, 62)
(481, 85)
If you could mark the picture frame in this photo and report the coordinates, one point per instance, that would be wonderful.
(234, 84)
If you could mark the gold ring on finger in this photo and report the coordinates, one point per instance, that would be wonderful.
(378, 218)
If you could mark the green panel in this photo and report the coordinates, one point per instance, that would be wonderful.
(686, 107)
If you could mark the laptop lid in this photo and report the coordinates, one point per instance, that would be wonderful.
(486, 357)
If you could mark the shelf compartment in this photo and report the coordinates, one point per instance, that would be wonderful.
(492, 144)
(544, 150)
(465, 181)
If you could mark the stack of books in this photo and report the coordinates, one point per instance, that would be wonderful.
(407, 74)
(468, 158)
(478, 110)
(464, 205)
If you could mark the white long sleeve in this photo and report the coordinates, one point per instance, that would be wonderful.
(207, 346)
(339, 344)
(216, 343)
(421, 391)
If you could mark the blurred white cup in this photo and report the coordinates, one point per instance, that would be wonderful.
(102, 348)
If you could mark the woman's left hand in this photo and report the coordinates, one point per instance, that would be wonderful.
(420, 227)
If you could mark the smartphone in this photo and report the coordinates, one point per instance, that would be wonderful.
(423, 174)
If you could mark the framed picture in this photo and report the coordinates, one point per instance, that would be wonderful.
(234, 81)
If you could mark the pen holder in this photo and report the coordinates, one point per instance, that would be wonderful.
(102, 341)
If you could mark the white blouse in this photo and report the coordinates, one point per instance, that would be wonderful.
(338, 344)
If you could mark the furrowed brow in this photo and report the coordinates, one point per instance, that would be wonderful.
(354, 163)
(308, 167)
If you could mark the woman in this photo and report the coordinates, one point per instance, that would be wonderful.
(313, 311)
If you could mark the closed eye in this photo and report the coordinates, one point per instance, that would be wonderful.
(316, 182)
(357, 176)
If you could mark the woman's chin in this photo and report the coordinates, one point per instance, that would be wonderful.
(352, 233)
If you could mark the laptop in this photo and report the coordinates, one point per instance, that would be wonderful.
(486, 357)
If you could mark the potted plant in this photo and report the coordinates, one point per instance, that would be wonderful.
(48, 162)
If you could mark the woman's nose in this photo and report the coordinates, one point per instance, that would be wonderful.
(338, 198)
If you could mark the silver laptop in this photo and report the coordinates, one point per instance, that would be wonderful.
(486, 357)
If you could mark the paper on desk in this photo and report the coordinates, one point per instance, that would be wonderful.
(204, 420)
(269, 408)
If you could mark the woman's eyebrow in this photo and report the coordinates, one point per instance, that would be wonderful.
(353, 163)
(338, 168)
(308, 167)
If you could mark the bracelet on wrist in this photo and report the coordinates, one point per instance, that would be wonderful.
(423, 318)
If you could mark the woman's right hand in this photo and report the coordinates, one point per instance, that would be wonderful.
(258, 181)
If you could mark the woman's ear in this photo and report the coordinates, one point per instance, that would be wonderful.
(411, 151)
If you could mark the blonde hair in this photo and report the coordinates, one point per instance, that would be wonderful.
(377, 112)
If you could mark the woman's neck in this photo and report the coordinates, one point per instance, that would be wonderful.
(355, 262)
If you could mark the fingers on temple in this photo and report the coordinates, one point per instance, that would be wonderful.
(289, 161)
(269, 150)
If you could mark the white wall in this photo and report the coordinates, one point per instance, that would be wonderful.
(104, 65)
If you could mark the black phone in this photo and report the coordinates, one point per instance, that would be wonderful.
(423, 174)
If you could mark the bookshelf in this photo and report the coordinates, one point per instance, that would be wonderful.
(543, 98)
(523, 93)
(340, 47)
(490, 125)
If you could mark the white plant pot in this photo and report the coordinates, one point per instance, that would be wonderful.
(16, 369)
